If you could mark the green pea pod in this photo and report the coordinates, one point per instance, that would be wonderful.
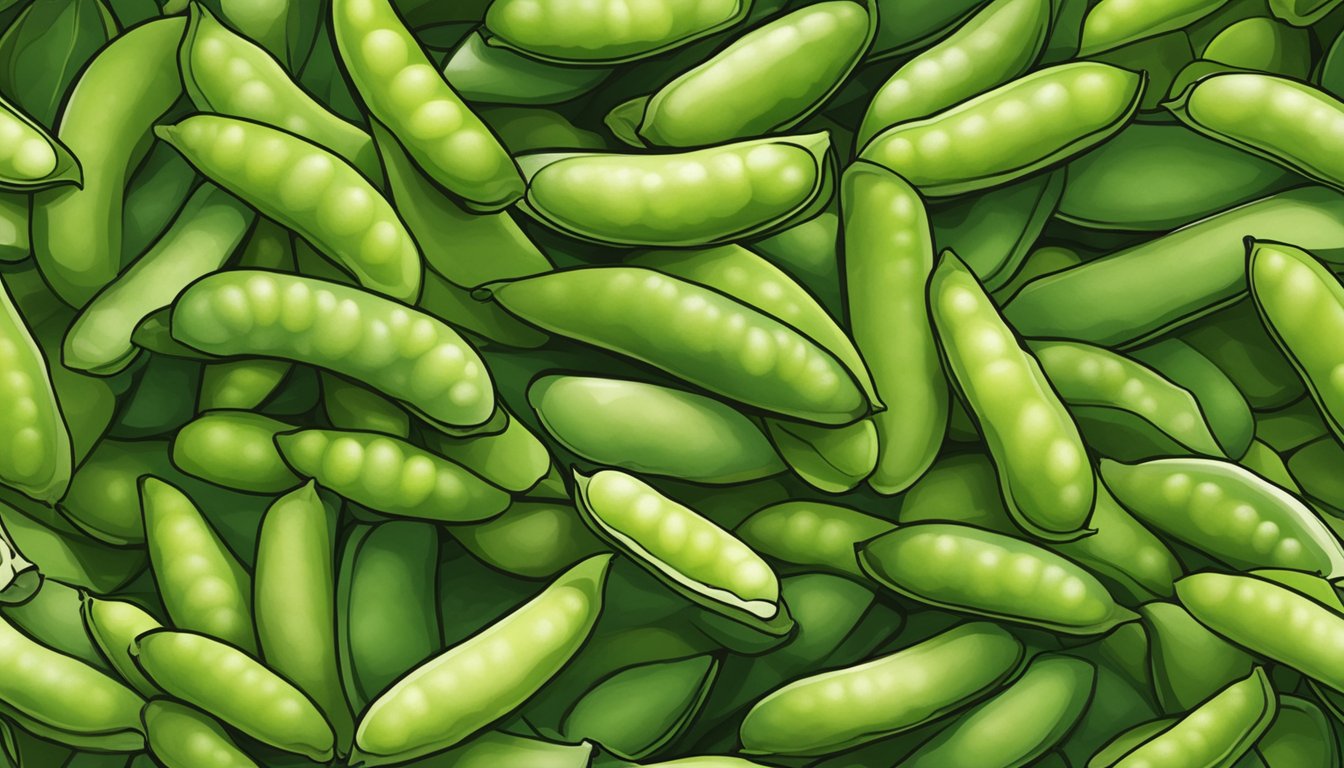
(114, 625)
(235, 688)
(833, 711)
(534, 540)
(77, 230)
(1302, 13)
(19, 577)
(1291, 427)
(720, 344)
(393, 349)
(162, 401)
(1113, 23)
(602, 33)
(180, 736)
(234, 449)
(391, 476)
(1189, 663)
(1314, 468)
(808, 250)
(52, 617)
(1216, 733)
(67, 554)
(527, 129)
(1263, 44)
(484, 678)
(1225, 411)
(1265, 462)
(155, 194)
(308, 189)
(812, 534)
(515, 459)
(444, 300)
(227, 74)
(640, 710)
(38, 458)
(488, 74)
(240, 384)
(32, 159)
(1236, 340)
(1300, 735)
(1005, 389)
(404, 91)
(832, 459)
(961, 568)
(1089, 103)
(692, 198)
(202, 584)
(1018, 725)
(994, 232)
(995, 45)
(501, 749)
(15, 245)
(350, 406)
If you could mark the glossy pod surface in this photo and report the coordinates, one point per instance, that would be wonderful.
(603, 33)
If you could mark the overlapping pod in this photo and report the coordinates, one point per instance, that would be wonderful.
(812, 534)
(394, 349)
(688, 552)
(486, 74)
(1047, 116)
(995, 232)
(1017, 410)
(668, 697)
(833, 711)
(38, 457)
(652, 429)
(236, 450)
(1189, 663)
(405, 92)
(391, 476)
(240, 384)
(515, 459)
(114, 625)
(1226, 411)
(1113, 23)
(684, 199)
(1301, 734)
(603, 33)
(708, 339)
(308, 189)
(888, 255)
(833, 459)
(180, 736)
(352, 407)
(962, 568)
(30, 158)
(227, 74)
(484, 678)
(766, 81)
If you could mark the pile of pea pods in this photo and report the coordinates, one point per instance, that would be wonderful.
(675, 383)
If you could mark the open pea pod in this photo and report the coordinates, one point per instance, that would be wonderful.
(31, 158)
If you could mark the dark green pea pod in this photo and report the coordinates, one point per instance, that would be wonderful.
(155, 195)
(236, 450)
(162, 401)
(640, 710)
(14, 242)
(1301, 735)
(501, 749)
(906, 26)
(692, 555)
(1119, 703)
(1262, 44)
(528, 129)
(833, 711)
(1330, 73)
(1225, 411)
(531, 539)
(686, 199)
(104, 500)
(960, 568)
(19, 577)
(350, 406)
(515, 459)
(487, 74)
(993, 232)
(180, 736)
(736, 93)
(32, 158)
(454, 305)
(39, 456)
(51, 616)
(44, 47)
(240, 384)
(832, 459)
(1315, 467)
(592, 35)
(114, 625)
(65, 552)
(1113, 23)
(1189, 663)
(812, 534)
(1235, 340)
(1291, 427)
(1112, 301)
(808, 251)
(1265, 462)
(1302, 13)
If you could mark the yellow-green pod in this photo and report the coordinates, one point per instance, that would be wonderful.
(812, 534)
(30, 158)
(240, 384)
(1113, 23)
(114, 625)
(37, 458)
(180, 736)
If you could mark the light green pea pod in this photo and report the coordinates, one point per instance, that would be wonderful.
(531, 539)
(1263, 44)
(63, 699)
(1300, 735)
(1087, 375)
(386, 609)
(202, 584)
(1227, 512)
(1113, 23)
(833, 711)
(15, 211)
(404, 91)
(235, 688)
(350, 406)
(1189, 663)
(394, 349)
(1018, 725)
(114, 625)
(1270, 620)
(201, 239)
(716, 342)
(32, 159)
(1225, 411)
(1087, 103)
(832, 459)
(1216, 733)
(180, 736)
(488, 74)
(1236, 340)
(52, 617)
(961, 568)
(77, 230)
(1265, 462)
(686, 199)
(309, 190)
(888, 251)
(1291, 427)
(766, 81)
(994, 232)
(484, 678)
(1315, 467)
(515, 459)
(998, 43)
(227, 74)
(67, 554)
(812, 534)
(640, 710)
(236, 450)
(1126, 740)
(691, 554)
(240, 384)
(604, 33)
(1015, 406)
(1300, 302)
(294, 601)
(391, 476)
(38, 455)
(501, 749)
(1302, 13)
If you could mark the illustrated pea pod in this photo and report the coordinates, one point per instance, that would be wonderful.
(812, 534)
(994, 232)
(32, 159)
(833, 711)
(832, 459)
(490, 74)
(1264, 44)
(1040, 119)
(962, 568)
(1019, 412)
(717, 343)
(38, 457)
(682, 199)
(352, 407)
(1226, 411)
(1236, 340)
(514, 459)
(180, 736)
(1312, 467)
(1301, 734)
(484, 678)
(392, 348)
(19, 577)
(1113, 23)
(236, 450)
(501, 749)
(1189, 663)
(239, 384)
(534, 539)
(1302, 13)
(114, 625)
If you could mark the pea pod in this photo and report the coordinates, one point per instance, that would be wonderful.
(52, 617)
(1300, 735)
(669, 697)
(1302, 13)
(114, 625)
(180, 736)
(32, 159)
(515, 459)
(1016, 408)
(492, 74)
(531, 539)
(501, 749)
(832, 459)
(1236, 340)
(38, 457)
(962, 568)
(1263, 44)
(994, 232)
(351, 407)
(234, 449)
(482, 679)
(240, 384)
(1313, 467)
(1189, 663)
(1113, 23)
(1225, 410)
(15, 244)
(811, 534)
